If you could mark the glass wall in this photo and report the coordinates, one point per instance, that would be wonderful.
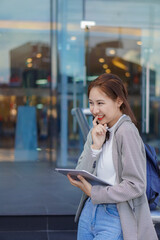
(128, 46)
(120, 37)
(25, 80)
(71, 72)
(51, 50)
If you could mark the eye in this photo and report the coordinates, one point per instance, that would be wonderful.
(100, 103)
(90, 103)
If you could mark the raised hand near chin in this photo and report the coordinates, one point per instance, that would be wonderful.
(98, 134)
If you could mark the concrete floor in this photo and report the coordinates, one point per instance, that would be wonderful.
(34, 188)
(37, 203)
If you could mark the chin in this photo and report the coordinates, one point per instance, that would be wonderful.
(102, 121)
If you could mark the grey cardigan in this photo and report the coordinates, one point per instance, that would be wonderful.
(129, 194)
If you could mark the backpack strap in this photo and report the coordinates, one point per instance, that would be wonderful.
(156, 194)
(149, 149)
(153, 199)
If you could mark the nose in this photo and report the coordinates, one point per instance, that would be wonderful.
(94, 110)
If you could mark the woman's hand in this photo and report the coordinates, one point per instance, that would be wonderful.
(98, 134)
(82, 184)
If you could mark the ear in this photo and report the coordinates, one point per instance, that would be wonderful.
(119, 101)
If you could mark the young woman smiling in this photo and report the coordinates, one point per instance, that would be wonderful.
(119, 211)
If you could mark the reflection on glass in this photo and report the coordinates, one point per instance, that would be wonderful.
(105, 43)
(24, 71)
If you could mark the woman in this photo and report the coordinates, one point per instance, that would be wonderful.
(120, 210)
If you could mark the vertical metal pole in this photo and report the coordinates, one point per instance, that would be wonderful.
(147, 97)
(54, 26)
(86, 69)
(64, 100)
(51, 48)
(85, 56)
(74, 102)
(143, 92)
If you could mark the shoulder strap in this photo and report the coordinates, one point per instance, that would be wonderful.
(150, 153)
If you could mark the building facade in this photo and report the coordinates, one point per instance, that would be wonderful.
(51, 50)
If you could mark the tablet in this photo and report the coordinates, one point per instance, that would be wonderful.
(88, 176)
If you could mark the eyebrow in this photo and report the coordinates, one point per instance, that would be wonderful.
(98, 100)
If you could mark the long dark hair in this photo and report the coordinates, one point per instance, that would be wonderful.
(113, 87)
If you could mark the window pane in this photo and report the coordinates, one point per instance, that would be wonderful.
(25, 80)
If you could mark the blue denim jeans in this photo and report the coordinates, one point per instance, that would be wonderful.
(99, 222)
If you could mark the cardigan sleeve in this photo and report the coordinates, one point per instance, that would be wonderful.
(87, 160)
(133, 174)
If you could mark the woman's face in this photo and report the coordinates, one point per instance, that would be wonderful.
(107, 110)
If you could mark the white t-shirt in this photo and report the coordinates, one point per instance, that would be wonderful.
(105, 169)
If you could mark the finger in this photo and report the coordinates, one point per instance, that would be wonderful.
(95, 121)
(85, 185)
(78, 184)
(100, 129)
(69, 177)
(82, 179)
(74, 182)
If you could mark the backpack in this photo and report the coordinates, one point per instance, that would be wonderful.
(153, 177)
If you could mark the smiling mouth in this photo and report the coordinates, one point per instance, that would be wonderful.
(100, 118)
